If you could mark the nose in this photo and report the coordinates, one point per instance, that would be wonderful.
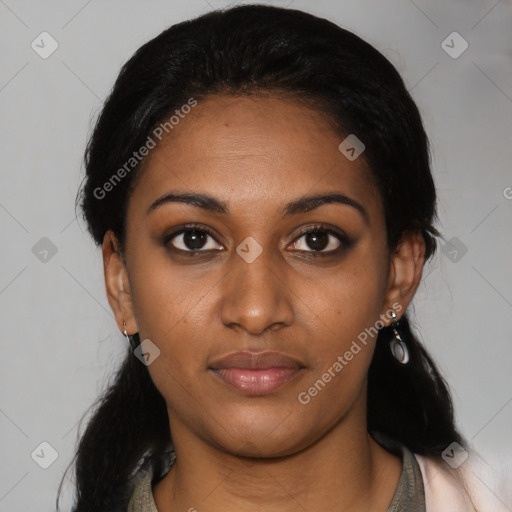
(256, 296)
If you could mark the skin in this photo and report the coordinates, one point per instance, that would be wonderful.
(265, 453)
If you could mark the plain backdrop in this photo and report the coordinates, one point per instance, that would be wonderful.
(59, 343)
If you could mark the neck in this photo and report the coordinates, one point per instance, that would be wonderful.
(345, 470)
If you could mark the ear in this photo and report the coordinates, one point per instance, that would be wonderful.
(117, 284)
(406, 267)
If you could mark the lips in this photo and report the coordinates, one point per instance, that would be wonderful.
(256, 373)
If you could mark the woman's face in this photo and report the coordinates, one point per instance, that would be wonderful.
(257, 283)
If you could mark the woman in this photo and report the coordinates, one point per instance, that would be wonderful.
(259, 182)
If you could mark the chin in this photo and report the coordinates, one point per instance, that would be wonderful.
(262, 435)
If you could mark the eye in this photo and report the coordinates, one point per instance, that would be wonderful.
(193, 239)
(320, 239)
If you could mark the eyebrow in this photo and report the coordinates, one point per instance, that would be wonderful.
(301, 205)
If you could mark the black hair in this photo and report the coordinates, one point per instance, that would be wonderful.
(251, 50)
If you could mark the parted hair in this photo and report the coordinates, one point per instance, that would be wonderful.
(251, 50)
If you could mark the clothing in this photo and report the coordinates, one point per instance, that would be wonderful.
(142, 498)
(461, 490)
(425, 485)
(409, 495)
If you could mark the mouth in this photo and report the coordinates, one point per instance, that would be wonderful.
(256, 373)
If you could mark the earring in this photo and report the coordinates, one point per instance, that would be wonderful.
(397, 345)
(133, 338)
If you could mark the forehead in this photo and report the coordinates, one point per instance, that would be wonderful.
(253, 151)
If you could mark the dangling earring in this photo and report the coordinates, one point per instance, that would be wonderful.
(397, 345)
(133, 339)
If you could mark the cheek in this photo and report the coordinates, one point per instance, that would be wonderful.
(346, 309)
(171, 309)
(343, 304)
(168, 300)
(342, 321)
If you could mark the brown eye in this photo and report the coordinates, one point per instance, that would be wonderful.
(321, 240)
(317, 240)
(193, 240)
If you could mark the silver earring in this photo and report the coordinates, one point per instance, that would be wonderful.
(397, 345)
(133, 338)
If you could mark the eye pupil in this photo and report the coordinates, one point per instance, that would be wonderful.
(194, 239)
(317, 240)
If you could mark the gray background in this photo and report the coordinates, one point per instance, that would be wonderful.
(59, 341)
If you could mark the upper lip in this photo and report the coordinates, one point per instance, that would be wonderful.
(255, 361)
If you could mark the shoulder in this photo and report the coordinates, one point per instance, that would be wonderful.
(154, 468)
(135, 495)
(141, 499)
(456, 490)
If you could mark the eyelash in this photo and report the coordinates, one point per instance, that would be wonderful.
(344, 240)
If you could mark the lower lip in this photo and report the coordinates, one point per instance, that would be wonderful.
(256, 382)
